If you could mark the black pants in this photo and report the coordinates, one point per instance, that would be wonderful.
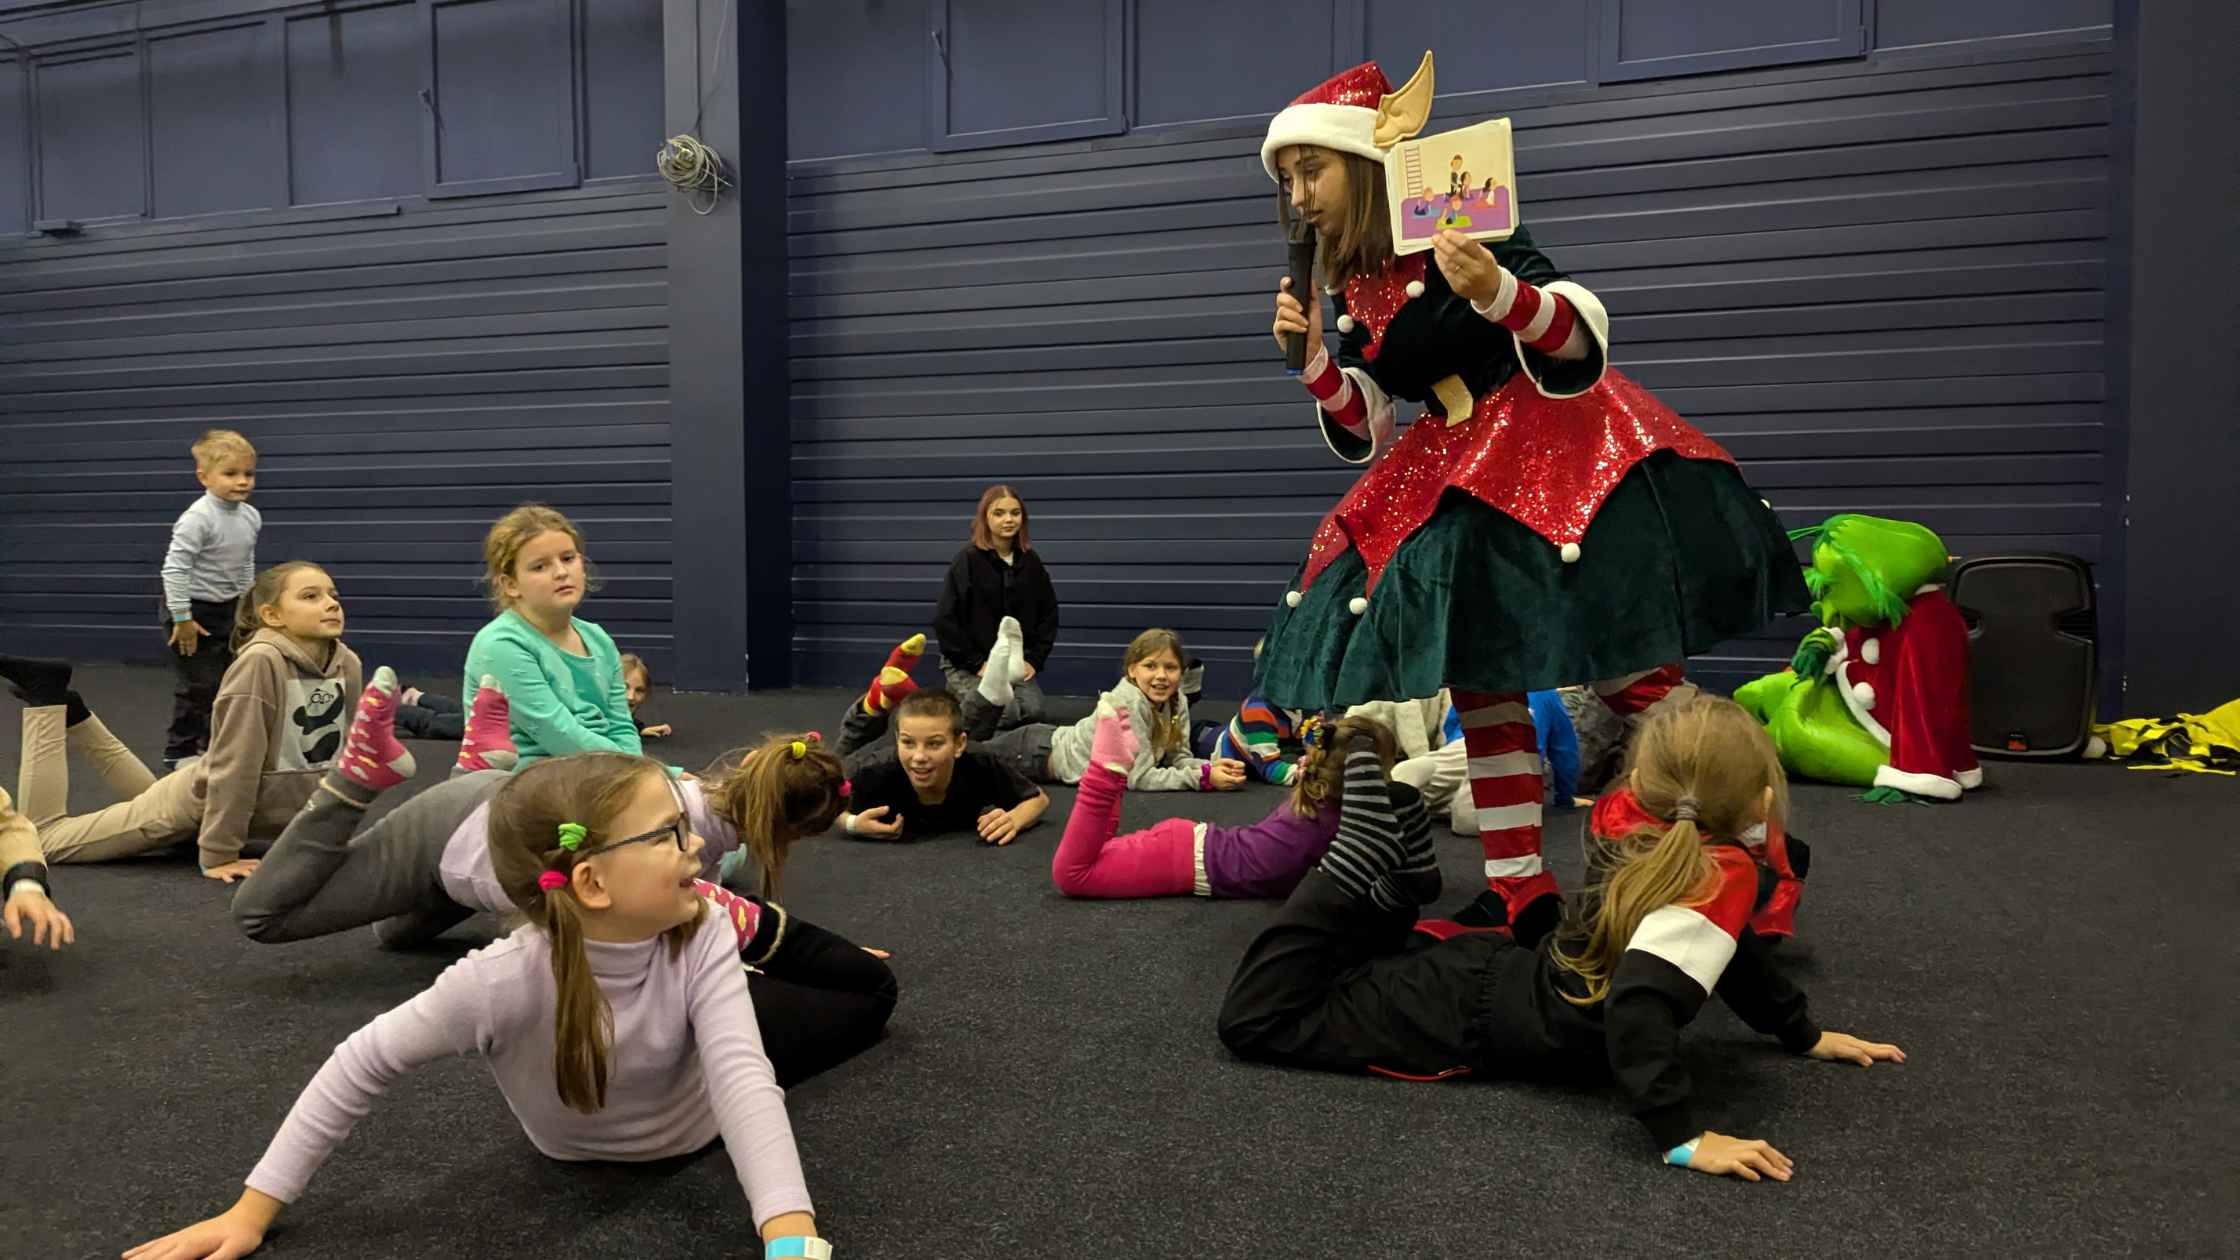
(198, 678)
(820, 1001)
(432, 717)
(1338, 984)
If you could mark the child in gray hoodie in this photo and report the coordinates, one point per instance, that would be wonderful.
(1149, 694)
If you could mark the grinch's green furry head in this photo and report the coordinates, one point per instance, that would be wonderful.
(1865, 568)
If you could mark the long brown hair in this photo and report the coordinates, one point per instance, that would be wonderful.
(982, 536)
(591, 790)
(1362, 243)
(1322, 771)
(775, 794)
(501, 547)
(263, 593)
(1170, 731)
(1705, 756)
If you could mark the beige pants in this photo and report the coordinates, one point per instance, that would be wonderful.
(154, 813)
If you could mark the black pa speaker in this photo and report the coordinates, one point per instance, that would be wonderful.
(2033, 652)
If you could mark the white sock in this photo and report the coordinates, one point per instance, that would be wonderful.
(1008, 631)
(995, 680)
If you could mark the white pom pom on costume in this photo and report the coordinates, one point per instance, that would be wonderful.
(1864, 694)
(1357, 606)
(1569, 552)
(1415, 288)
(1291, 599)
(1871, 651)
(1345, 323)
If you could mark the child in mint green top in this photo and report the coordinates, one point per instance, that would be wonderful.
(562, 677)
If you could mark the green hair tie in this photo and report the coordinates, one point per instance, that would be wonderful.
(571, 835)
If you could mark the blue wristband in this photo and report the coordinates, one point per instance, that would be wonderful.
(1679, 1155)
(796, 1248)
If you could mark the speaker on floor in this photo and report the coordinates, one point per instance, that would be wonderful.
(2033, 652)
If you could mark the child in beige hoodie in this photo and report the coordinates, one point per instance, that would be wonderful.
(278, 722)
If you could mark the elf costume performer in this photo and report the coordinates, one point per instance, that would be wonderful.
(1547, 522)
(1878, 696)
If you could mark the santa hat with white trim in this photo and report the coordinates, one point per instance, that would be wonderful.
(1354, 111)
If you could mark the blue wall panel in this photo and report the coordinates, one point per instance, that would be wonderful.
(215, 116)
(1195, 61)
(503, 110)
(855, 77)
(15, 148)
(90, 109)
(1908, 23)
(1478, 51)
(407, 376)
(1010, 71)
(1882, 287)
(354, 104)
(1648, 38)
(622, 88)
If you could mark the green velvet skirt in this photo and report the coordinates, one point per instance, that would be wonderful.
(1683, 555)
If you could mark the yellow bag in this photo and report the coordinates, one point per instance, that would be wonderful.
(2200, 743)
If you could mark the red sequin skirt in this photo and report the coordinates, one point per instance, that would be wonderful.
(1547, 463)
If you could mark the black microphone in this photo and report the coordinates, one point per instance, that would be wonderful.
(1302, 288)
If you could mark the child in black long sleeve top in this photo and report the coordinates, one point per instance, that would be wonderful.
(997, 575)
(1342, 982)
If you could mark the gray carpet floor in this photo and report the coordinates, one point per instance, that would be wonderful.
(2056, 955)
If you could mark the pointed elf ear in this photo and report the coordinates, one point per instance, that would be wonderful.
(1403, 113)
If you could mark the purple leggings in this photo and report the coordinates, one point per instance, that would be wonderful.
(1092, 861)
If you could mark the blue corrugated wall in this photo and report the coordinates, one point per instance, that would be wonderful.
(1881, 287)
(1879, 277)
(407, 374)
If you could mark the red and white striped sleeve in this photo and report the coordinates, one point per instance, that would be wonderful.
(1355, 414)
(1543, 320)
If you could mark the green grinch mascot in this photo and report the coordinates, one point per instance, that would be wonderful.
(1877, 697)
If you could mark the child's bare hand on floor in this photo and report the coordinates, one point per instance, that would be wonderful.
(227, 872)
(1747, 1158)
(998, 826)
(49, 927)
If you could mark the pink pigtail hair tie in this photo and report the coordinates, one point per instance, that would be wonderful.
(549, 880)
(847, 788)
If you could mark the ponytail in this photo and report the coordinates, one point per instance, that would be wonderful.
(1701, 759)
(582, 1021)
(1322, 771)
(1665, 874)
(788, 787)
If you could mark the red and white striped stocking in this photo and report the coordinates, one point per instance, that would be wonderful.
(1635, 694)
(1506, 787)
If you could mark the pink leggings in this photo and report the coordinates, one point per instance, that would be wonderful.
(1091, 861)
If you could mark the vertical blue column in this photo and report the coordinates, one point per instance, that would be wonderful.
(731, 557)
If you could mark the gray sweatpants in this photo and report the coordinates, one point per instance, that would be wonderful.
(317, 880)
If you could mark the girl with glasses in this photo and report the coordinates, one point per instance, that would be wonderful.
(429, 865)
